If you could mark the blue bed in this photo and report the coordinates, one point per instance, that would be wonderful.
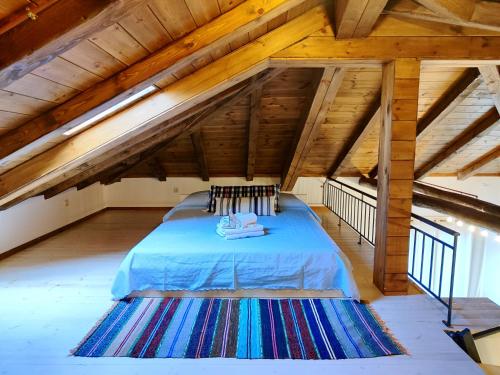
(185, 253)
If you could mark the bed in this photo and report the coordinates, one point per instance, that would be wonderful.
(185, 254)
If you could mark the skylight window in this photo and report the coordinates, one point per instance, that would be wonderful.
(110, 110)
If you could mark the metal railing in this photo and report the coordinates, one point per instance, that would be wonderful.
(432, 246)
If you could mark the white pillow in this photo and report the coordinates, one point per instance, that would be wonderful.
(261, 206)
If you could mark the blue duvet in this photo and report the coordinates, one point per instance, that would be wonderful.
(185, 253)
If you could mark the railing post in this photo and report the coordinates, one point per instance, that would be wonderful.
(452, 280)
(341, 208)
(361, 206)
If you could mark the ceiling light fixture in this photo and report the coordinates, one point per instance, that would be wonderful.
(484, 233)
(472, 228)
(110, 110)
(449, 219)
(460, 223)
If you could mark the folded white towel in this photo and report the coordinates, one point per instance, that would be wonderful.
(244, 235)
(245, 220)
(230, 231)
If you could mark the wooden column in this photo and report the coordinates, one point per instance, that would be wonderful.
(400, 81)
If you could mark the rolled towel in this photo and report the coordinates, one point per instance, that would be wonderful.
(230, 231)
(245, 220)
(229, 222)
(245, 235)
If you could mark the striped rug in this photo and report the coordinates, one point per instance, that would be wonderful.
(239, 328)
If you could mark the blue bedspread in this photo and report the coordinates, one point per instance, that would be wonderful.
(185, 253)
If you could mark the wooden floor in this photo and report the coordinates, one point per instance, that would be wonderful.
(52, 293)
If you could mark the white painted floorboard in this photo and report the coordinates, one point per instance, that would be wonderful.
(52, 294)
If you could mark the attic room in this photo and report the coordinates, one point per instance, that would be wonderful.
(241, 186)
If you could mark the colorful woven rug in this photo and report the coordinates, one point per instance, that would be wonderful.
(239, 328)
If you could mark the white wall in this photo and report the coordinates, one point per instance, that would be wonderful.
(149, 192)
(36, 216)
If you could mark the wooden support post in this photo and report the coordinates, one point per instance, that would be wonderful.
(199, 151)
(253, 131)
(157, 169)
(400, 81)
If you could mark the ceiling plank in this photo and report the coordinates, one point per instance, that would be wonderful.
(356, 138)
(253, 131)
(491, 78)
(356, 18)
(325, 90)
(446, 104)
(200, 154)
(479, 127)
(475, 166)
(56, 29)
(111, 162)
(180, 96)
(143, 74)
(480, 14)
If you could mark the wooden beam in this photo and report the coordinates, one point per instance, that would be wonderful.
(356, 18)
(253, 131)
(56, 29)
(199, 152)
(459, 198)
(324, 91)
(475, 166)
(480, 14)
(180, 96)
(178, 54)
(325, 50)
(459, 211)
(27, 13)
(357, 136)
(157, 169)
(469, 81)
(491, 78)
(399, 98)
(481, 126)
(111, 163)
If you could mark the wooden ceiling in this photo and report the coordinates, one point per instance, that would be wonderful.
(231, 98)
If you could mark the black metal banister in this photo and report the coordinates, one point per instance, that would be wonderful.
(360, 215)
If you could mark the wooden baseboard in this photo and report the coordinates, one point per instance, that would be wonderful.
(17, 249)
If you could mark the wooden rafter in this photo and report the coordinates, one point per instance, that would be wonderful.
(178, 54)
(476, 129)
(26, 13)
(200, 154)
(180, 96)
(491, 78)
(356, 18)
(357, 136)
(446, 104)
(476, 165)
(253, 131)
(480, 14)
(324, 90)
(57, 29)
(118, 164)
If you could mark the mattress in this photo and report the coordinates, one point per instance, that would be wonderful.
(185, 253)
